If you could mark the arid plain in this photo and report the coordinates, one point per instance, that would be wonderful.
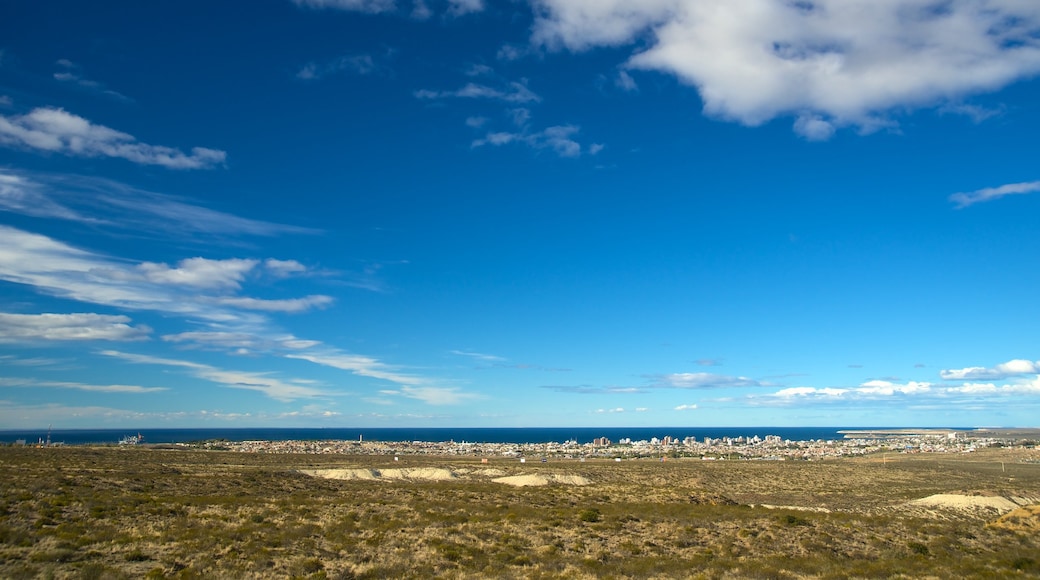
(80, 512)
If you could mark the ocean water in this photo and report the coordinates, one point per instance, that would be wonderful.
(432, 434)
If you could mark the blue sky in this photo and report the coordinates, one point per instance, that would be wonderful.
(519, 213)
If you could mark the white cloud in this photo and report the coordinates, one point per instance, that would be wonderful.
(1012, 368)
(557, 139)
(420, 11)
(976, 113)
(361, 64)
(814, 128)
(1024, 387)
(283, 268)
(261, 382)
(887, 388)
(99, 201)
(686, 407)
(803, 392)
(288, 305)
(510, 52)
(460, 7)
(54, 268)
(70, 72)
(241, 340)
(962, 200)
(437, 395)
(515, 92)
(33, 383)
(476, 122)
(478, 70)
(369, 6)
(359, 365)
(54, 130)
(625, 82)
(839, 62)
(479, 356)
(5, 101)
(79, 326)
(19, 194)
(199, 273)
(703, 381)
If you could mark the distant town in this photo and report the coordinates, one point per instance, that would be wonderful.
(768, 448)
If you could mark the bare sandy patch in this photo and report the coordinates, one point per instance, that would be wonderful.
(1024, 519)
(533, 480)
(414, 474)
(947, 505)
(801, 508)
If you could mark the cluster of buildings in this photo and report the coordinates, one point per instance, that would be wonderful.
(770, 447)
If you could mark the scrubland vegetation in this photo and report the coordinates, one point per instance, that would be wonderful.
(154, 513)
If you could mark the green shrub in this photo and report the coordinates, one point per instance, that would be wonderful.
(589, 515)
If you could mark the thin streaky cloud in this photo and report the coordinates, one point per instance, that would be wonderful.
(368, 6)
(701, 381)
(360, 64)
(278, 389)
(963, 200)
(12, 382)
(558, 139)
(56, 131)
(109, 203)
(515, 92)
(479, 356)
(70, 72)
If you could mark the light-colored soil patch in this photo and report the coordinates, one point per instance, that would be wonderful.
(532, 480)
(1024, 519)
(947, 505)
(415, 474)
(820, 510)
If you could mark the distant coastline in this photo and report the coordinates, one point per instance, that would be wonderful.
(468, 434)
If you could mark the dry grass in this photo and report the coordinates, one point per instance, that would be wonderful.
(132, 513)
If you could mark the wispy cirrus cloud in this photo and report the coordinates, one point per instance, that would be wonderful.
(513, 92)
(57, 131)
(702, 381)
(359, 64)
(594, 390)
(107, 203)
(359, 365)
(963, 200)
(275, 388)
(72, 73)
(368, 6)
(240, 342)
(432, 395)
(69, 327)
(13, 382)
(558, 139)
(829, 63)
(287, 305)
(478, 356)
